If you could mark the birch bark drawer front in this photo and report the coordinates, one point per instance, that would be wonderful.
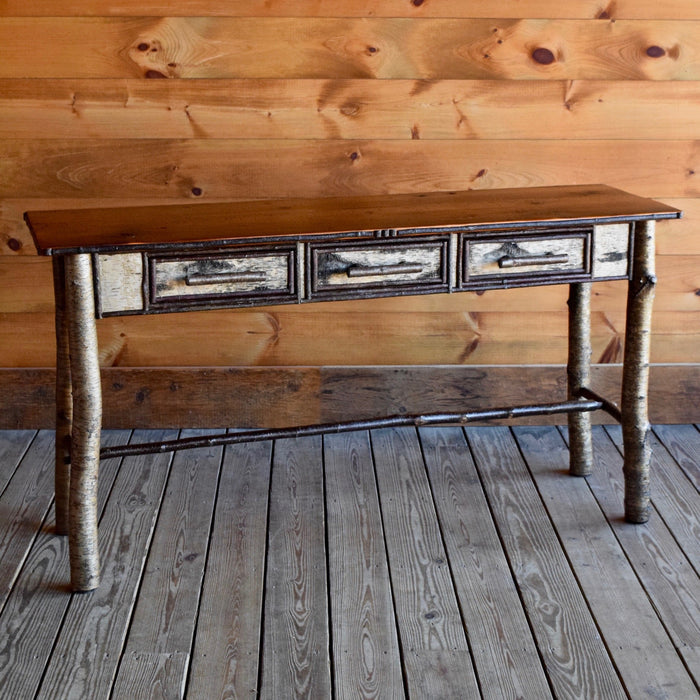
(369, 268)
(244, 276)
(522, 259)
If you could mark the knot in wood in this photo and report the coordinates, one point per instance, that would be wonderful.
(543, 56)
(656, 52)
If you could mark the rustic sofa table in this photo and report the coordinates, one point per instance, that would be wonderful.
(150, 260)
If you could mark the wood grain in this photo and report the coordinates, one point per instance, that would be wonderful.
(435, 650)
(319, 47)
(33, 612)
(32, 617)
(357, 338)
(348, 109)
(166, 625)
(504, 652)
(683, 444)
(204, 168)
(675, 495)
(88, 665)
(227, 648)
(120, 229)
(684, 237)
(163, 674)
(676, 238)
(608, 589)
(282, 396)
(666, 574)
(573, 9)
(577, 662)
(12, 446)
(25, 502)
(440, 88)
(296, 644)
(366, 654)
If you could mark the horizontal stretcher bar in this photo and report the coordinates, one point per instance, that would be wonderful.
(258, 435)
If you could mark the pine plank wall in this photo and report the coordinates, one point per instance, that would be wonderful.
(138, 101)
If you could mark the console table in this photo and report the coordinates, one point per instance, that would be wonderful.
(150, 260)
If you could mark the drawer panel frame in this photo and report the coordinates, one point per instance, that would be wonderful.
(261, 297)
(606, 252)
(511, 277)
(316, 291)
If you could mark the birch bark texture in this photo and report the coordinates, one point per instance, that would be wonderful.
(87, 422)
(578, 377)
(64, 399)
(635, 376)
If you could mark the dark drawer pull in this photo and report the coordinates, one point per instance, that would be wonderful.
(380, 270)
(194, 278)
(508, 261)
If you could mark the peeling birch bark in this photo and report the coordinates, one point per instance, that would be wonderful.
(635, 377)
(87, 419)
(578, 372)
(64, 400)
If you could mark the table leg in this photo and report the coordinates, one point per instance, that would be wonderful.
(635, 375)
(87, 419)
(64, 400)
(578, 372)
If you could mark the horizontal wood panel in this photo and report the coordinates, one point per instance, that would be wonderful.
(349, 109)
(223, 168)
(318, 124)
(314, 47)
(682, 238)
(674, 238)
(278, 397)
(570, 9)
(26, 285)
(356, 337)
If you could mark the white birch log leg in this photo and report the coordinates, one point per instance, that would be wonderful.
(64, 400)
(87, 419)
(635, 376)
(578, 377)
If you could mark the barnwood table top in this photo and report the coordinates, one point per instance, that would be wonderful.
(105, 229)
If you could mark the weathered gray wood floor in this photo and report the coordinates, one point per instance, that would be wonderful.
(434, 564)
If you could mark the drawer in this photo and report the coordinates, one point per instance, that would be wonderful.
(219, 277)
(513, 259)
(377, 268)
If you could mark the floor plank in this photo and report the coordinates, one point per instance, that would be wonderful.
(434, 646)
(23, 506)
(576, 660)
(32, 617)
(295, 642)
(431, 563)
(166, 613)
(669, 580)
(683, 443)
(226, 651)
(88, 647)
(639, 645)
(13, 445)
(505, 654)
(149, 676)
(366, 655)
(674, 496)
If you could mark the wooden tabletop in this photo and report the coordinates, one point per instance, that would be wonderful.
(94, 230)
